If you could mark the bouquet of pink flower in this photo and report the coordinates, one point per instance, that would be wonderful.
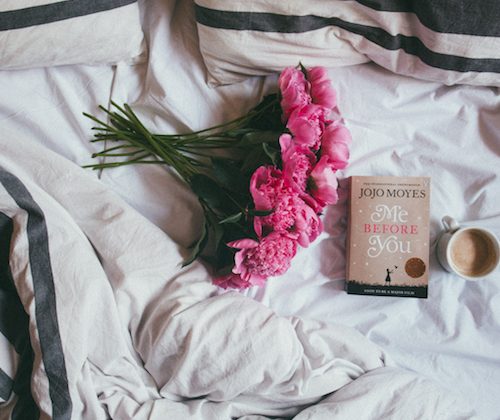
(262, 180)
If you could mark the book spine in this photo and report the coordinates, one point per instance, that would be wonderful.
(348, 233)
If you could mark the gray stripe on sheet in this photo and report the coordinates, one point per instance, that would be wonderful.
(6, 384)
(13, 319)
(6, 229)
(54, 12)
(45, 298)
(465, 17)
(271, 22)
(14, 325)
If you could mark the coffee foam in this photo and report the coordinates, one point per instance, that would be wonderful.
(473, 253)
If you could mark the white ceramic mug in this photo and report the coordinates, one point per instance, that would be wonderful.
(470, 252)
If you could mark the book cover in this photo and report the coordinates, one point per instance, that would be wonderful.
(388, 236)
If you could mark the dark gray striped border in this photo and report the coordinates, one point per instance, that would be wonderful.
(270, 22)
(6, 385)
(54, 12)
(6, 229)
(45, 299)
(14, 326)
(464, 17)
(13, 320)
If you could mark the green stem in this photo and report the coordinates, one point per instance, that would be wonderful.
(101, 154)
(176, 150)
(97, 166)
(106, 152)
(115, 164)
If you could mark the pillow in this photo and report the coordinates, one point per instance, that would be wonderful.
(450, 41)
(40, 33)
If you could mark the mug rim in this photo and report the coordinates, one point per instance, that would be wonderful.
(496, 244)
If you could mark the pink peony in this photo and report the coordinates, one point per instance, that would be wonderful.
(323, 182)
(335, 144)
(294, 90)
(256, 261)
(270, 191)
(266, 185)
(231, 281)
(308, 226)
(322, 92)
(290, 214)
(298, 162)
(306, 125)
(286, 212)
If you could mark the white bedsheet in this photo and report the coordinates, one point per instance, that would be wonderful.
(118, 329)
(400, 126)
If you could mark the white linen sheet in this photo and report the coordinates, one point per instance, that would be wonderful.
(400, 126)
(118, 329)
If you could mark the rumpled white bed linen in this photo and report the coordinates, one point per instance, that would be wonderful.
(400, 126)
(119, 329)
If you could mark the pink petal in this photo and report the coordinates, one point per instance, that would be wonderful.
(243, 243)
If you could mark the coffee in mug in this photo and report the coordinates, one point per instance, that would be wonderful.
(471, 252)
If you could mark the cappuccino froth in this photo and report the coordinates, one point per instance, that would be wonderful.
(473, 253)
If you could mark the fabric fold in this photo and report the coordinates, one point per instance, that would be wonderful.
(138, 335)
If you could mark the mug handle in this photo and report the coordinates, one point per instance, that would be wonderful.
(450, 224)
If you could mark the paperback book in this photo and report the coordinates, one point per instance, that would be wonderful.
(388, 236)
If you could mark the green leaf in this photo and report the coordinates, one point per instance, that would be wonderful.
(271, 152)
(267, 114)
(218, 234)
(259, 137)
(210, 192)
(253, 160)
(218, 231)
(260, 213)
(224, 256)
(198, 246)
(225, 270)
(232, 219)
(303, 69)
(268, 100)
(233, 231)
(229, 175)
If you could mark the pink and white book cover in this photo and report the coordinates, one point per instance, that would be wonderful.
(388, 236)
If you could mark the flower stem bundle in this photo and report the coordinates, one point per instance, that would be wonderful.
(262, 180)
